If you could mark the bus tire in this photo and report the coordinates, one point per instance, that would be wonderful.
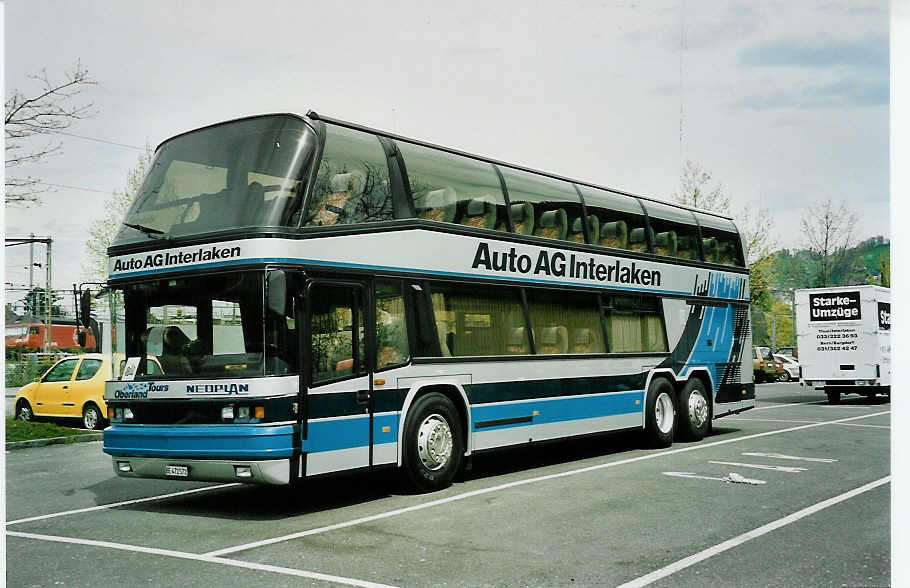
(660, 414)
(433, 442)
(833, 397)
(91, 417)
(694, 411)
(24, 411)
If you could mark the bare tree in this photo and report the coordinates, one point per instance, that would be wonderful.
(694, 190)
(828, 231)
(50, 110)
(755, 224)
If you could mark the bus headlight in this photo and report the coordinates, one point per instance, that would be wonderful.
(227, 413)
(243, 412)
(127, 414)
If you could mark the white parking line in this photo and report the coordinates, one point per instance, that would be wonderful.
(749, 535)
(482, 491)
(116, 504)
(202, 558)
(791, 404)
(758, 466)
(790, 457)
(859, 425)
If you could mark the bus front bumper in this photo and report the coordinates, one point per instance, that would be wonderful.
(247, 453)
(272, 471)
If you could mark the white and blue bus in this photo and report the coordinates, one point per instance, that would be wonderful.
(296, 296)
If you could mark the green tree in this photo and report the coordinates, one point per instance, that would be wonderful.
(104, 228)
(35, 303)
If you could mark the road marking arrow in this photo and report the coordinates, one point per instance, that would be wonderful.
(732, 478)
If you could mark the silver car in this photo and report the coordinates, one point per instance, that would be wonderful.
(791, 366)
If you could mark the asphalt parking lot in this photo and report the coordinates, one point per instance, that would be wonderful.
(793, 493)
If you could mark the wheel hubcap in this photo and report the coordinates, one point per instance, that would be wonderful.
(91, 419)
(434, 442)
(664, 413)
(698, 410)
(25, 414)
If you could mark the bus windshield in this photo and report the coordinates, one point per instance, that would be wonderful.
(243, 173)
(204, 327)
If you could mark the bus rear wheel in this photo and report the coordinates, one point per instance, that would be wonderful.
(660, 414)
(433, 442)
(694, 411)
(833, 397)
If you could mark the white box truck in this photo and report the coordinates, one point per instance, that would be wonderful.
(844, 340)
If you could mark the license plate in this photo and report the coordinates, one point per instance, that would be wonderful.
(177, 470)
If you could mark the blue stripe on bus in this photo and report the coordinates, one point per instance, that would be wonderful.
(332, 435)
(553, 410)
(203, 441)
(313, 262)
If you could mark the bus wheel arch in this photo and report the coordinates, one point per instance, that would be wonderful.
(433, 441)
(455, 394)
(694, 408)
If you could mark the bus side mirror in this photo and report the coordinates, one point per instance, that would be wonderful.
(276, 290)
(80, 337)
(85, 308)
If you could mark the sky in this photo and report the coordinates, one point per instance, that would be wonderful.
(785, 103)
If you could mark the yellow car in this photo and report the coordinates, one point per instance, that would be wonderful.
(72, 388)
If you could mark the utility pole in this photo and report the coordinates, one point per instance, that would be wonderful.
(49, 300)
(31, 262)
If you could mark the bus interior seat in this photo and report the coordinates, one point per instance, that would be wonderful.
(522, 214)
(582, 341)
(552, 225)
(479, 213)
(344, 192)
(553, 340)
(575, 232)
(709, 246)
(438, 205)
(637, 240)
(685, 247)
(665, 243)
(518, 342)
(615, 234)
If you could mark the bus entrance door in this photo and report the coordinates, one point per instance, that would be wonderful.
(339, 394)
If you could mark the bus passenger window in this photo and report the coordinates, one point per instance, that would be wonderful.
(452, 188)
(561, 320)
(391, 328)
(352, 185)
(709, 246)
(478, 321)
(635, 324)
(686, 247)
(665, 244)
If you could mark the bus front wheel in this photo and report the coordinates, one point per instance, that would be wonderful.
(660, 414)
(694, 411)
(433, 442)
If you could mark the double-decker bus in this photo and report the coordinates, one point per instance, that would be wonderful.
(323, 297)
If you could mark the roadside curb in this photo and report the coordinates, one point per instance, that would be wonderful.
(54, 441)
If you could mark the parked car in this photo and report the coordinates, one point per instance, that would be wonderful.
(790, 365)
(765, 368)
(789, 351)
(73, 388)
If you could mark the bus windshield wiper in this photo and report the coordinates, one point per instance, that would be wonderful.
(149, 231)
